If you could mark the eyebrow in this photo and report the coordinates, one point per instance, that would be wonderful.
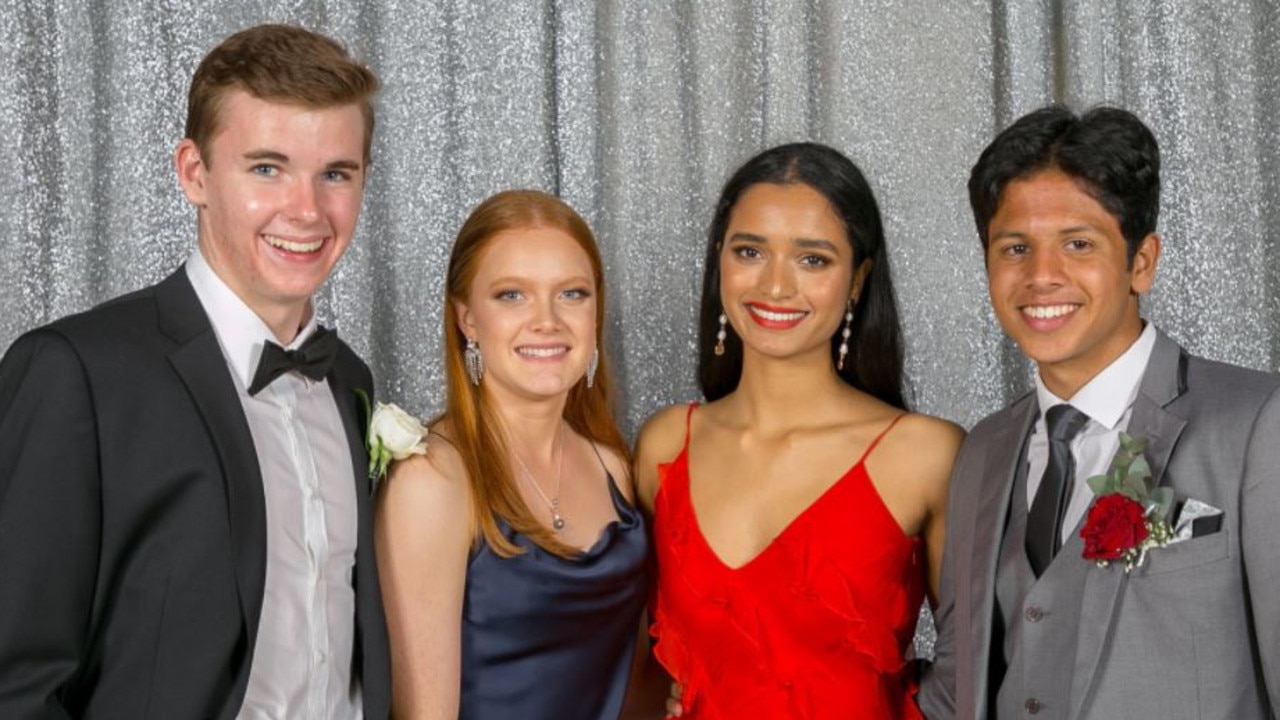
(266, 155)
(816, 244)
(1008, 234)
(284, 159)
(518, 280)
(1018, 235)
(810, 243)
(1085, 227)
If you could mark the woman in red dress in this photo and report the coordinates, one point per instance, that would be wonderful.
(799, 513)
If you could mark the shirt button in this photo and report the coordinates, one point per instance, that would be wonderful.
(1034, 614)
(1033, 706)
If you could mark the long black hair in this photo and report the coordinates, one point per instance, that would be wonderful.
(874, 362)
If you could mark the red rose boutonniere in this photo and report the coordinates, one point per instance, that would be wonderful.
(1129, 516)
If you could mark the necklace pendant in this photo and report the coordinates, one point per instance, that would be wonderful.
(557, 520)
(553, 503)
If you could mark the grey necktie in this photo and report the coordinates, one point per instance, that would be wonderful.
(1044, 520)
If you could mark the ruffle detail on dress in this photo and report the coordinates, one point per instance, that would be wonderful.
(784, 700)
(674, 655)
(670, 648)
(818, 580)
(673, 524)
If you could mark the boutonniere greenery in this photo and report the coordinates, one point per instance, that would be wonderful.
(392, 434)
(1130, 515)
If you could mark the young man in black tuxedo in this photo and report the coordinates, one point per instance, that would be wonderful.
(184, 513)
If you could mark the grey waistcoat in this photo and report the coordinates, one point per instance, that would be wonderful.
(1040, 619)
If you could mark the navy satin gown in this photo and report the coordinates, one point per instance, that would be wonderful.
(549, 637)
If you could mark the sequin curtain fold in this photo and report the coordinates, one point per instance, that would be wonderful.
(635, 112)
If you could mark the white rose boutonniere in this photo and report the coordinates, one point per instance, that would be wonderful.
(393, 435)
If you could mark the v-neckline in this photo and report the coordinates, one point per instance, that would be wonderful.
(800, 516)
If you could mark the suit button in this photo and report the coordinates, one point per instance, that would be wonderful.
(1033, 706)
(1034, 614)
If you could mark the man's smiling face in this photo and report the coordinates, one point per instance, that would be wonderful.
(1060, 278)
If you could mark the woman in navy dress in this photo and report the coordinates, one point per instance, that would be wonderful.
(511, 556)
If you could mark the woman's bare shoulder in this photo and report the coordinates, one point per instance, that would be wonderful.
(925, 444)
(439, 474)
(928, 428)
(663, 433)
(659, 442)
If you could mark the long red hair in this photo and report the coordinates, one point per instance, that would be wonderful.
(476, 425)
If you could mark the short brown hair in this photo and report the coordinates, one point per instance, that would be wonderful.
(280, 63)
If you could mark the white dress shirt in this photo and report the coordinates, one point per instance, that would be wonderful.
(1108, 401)
(302, 658)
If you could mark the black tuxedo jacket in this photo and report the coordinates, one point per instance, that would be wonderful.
(133, 521)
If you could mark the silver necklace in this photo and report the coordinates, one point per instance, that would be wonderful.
(553, 502)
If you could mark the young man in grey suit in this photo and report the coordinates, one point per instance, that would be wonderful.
(184, 512)
(1028, 627)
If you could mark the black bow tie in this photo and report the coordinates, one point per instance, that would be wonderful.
(312, 359)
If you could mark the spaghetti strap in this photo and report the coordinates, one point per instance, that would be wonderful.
(688, 422)
(599, 457)
(443, 437)
(866, 453)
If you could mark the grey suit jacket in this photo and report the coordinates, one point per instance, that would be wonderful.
(1192, 633)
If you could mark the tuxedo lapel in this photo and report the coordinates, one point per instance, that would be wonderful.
(1162, 382)
(978, 580)
(199, 362)
(371, 662)
(349, 408)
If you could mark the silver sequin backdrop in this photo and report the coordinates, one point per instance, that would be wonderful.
(636, 111)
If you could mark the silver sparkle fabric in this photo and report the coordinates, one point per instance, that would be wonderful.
(636, 111)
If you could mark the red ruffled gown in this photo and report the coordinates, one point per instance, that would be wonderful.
(814, 627)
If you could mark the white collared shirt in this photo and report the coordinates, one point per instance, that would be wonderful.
(1108, 401)
(302, 658)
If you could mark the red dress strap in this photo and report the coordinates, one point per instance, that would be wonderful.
(688, 423)
(866, 453)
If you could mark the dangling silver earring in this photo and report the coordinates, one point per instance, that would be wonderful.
(844, 336)
(592, 365)
(474, 361)
(720, 336)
